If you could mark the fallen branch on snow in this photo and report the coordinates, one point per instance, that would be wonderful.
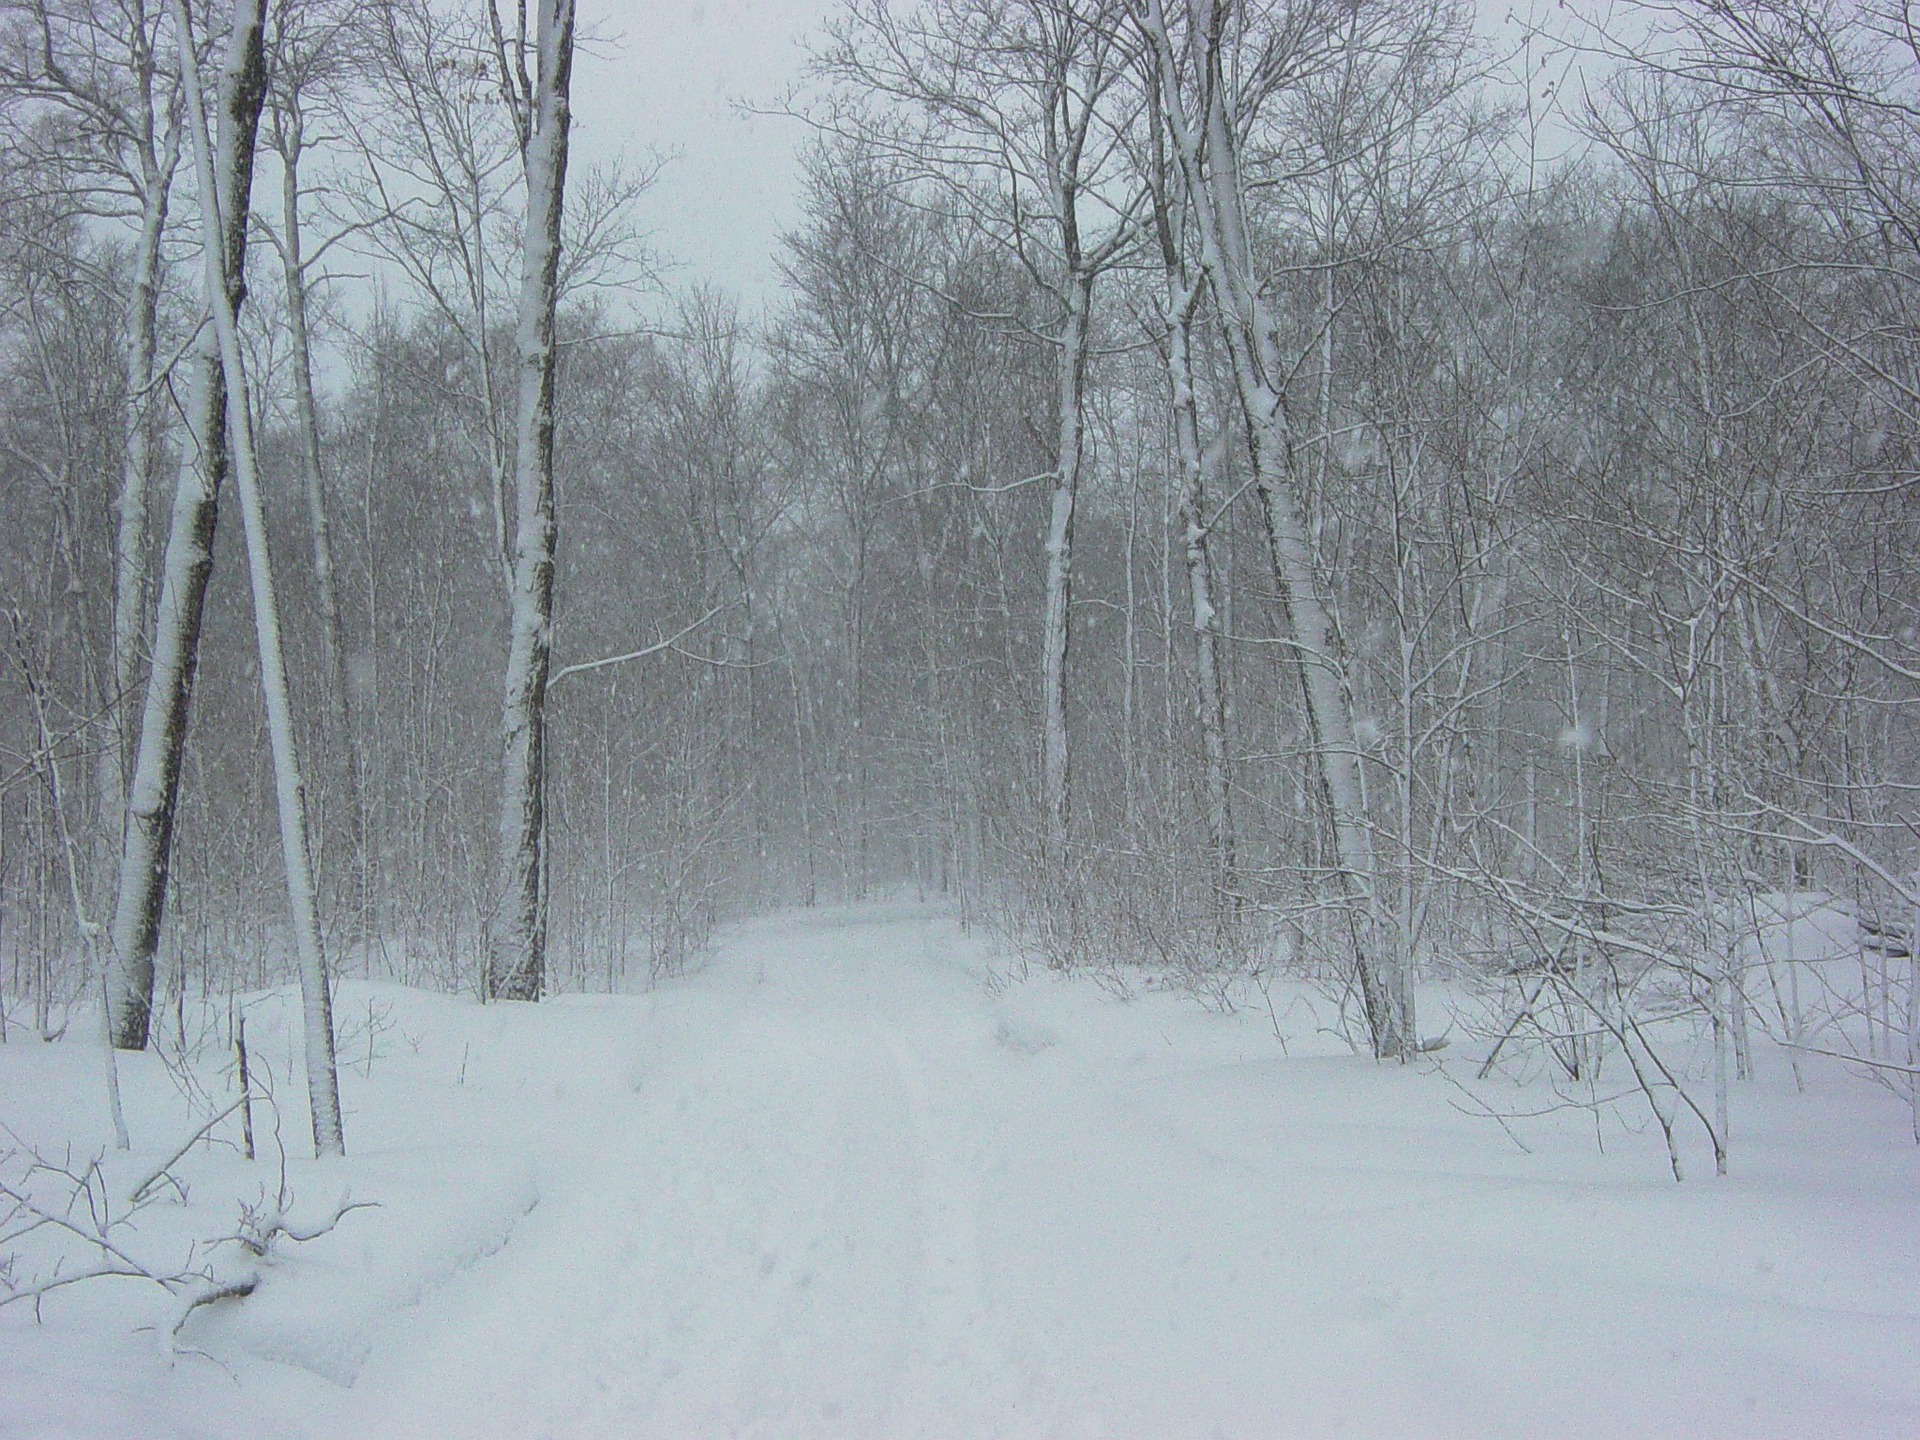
(76, 1209)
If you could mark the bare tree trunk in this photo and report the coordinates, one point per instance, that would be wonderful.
(516, 960)
(153, 794)
(805, 745)
(1205, 147)
(1130, 665)
(1200, 587)
(244, 41)
(1386, 990)
(84, 927)
(138, 349)
(1056, 629)
(1181, 304)
(290, 141)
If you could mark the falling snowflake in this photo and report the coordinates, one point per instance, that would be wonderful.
(1577, 736)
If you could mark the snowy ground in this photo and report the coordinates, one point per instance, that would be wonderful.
(837, 1185)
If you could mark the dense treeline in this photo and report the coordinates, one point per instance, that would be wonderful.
(1224, 485)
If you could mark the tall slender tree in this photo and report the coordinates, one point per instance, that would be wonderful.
(1213, 73)
(245, 36)
(103, 74)
(312, 49)
(1019, 111)
(540, 101)
(154, 790)
(1179, 315)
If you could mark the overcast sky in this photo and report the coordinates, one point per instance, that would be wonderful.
(665, 73)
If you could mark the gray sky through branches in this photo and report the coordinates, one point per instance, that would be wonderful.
(666, 74)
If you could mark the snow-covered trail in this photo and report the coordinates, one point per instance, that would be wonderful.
(843, 1190)
(838, 1184)
(776, 1233)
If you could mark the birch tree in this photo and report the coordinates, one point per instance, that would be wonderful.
(313, 49)
(154, 790)
(245, 71)
(102, 71)
(1018, 108)
(1179, 312)
(1213, 72)
(1393, 153)
(540, 103)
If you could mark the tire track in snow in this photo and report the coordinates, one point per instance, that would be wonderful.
(949, 1198)
(726, 1203)
(777, 1235)
(825, 1356)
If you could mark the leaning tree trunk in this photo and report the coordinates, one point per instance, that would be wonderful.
(323, 1086)
(517, 942)
(1384, 985)
(153, 793)
(1205, 148)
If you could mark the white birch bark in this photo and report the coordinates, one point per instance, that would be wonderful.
(244, 40)
(139, 346)
(1056, 627)
(100, 65)
(1206, 150)
(1179, 308)
(289, 139)
(153, 789)
(516, 946)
